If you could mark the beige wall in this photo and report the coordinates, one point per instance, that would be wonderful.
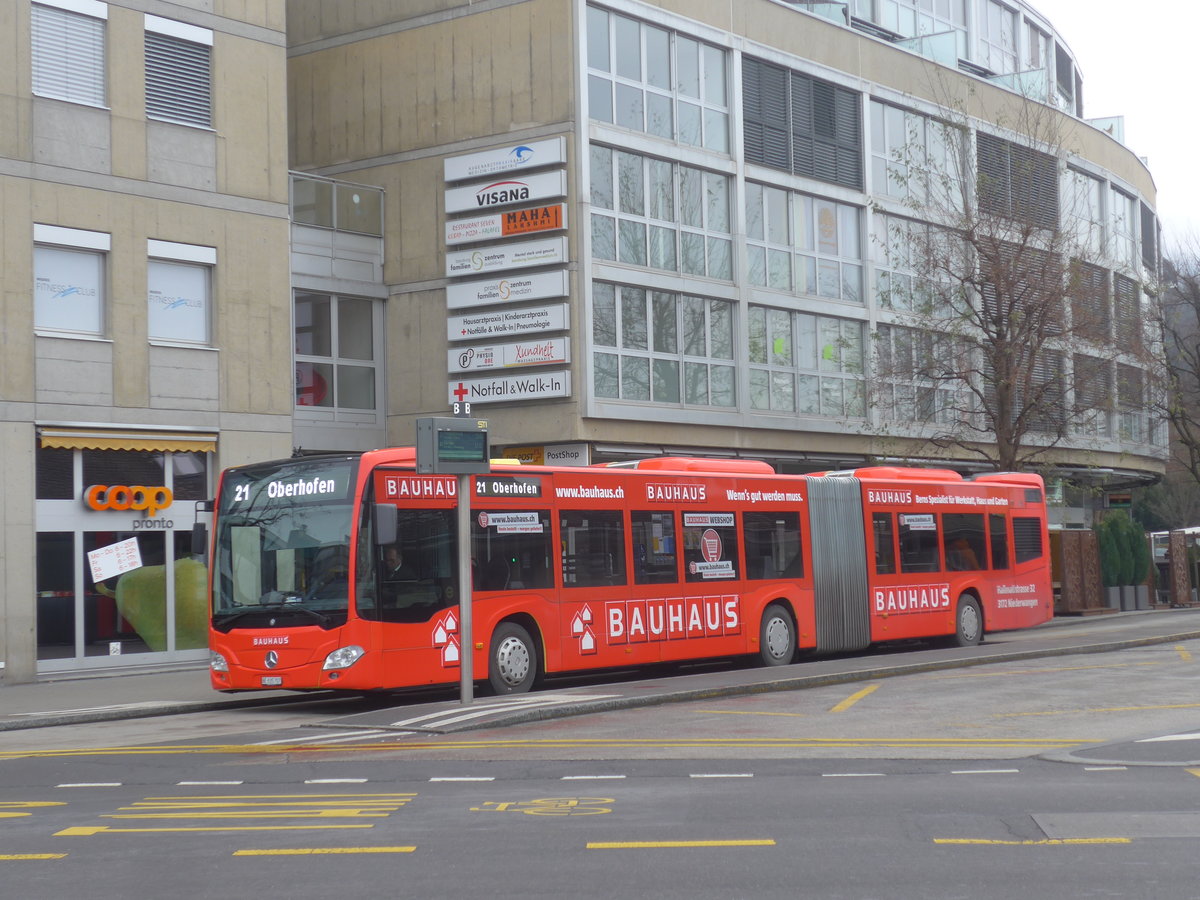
(224, 187)
(17, 580)
(454, 79)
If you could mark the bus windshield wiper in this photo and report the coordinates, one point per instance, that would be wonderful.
(224, 619)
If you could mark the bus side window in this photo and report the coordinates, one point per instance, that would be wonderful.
(998, 532)
(593, 548)
(885, 543)
(919, 543)
(510, 549)
(772, 545)
(965, 547)
(654, 556)
(710, 546)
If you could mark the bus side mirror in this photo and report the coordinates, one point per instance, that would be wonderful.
(200, 540)
(200, 530)
(385, 523)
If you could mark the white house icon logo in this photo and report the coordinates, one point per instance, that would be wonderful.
(581, 629)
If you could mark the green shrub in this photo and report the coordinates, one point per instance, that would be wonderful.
(1111, 551)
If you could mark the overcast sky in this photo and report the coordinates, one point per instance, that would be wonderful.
(1138, 61)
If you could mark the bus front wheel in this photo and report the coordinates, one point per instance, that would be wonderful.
(776, 636)
(968, 622)
(513, 662)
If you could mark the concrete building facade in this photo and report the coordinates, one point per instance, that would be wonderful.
(147, 318)
(623, 227)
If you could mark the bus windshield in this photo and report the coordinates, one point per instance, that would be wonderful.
(283, 543)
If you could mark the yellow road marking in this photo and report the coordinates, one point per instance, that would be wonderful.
(645, 845)
(251, 814)
(854, 698)
(89, 830)
(1046, 843)
(361, 799)
(314, 851)
(29, 804)
(749, 712)
(1103, 709)
(12, 857)
(1039, 671)
(1183, 653)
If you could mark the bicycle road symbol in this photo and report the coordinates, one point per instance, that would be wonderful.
(551, 806)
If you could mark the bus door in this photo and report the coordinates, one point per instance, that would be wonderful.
(601, 625)
(839, 554)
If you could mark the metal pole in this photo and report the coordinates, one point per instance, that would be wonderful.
(466, 674)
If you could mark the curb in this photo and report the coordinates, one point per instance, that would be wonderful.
(794, 683)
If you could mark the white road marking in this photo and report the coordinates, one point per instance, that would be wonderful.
(1194, 736)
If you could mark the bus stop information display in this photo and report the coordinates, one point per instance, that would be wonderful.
(452, 446)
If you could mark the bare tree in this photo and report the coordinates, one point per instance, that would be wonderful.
(1179, 322)
(997, 332)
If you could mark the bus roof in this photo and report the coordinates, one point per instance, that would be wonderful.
(697, 464)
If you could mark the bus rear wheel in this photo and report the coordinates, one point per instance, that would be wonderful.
(513, 661)
(968, 622)
(776, 636)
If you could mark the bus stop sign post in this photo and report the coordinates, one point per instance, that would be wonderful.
(458, 446)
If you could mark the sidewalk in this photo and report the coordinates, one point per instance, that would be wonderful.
(126, 695)
(81, 699)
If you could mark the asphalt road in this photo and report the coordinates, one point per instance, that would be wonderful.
(1036, 766)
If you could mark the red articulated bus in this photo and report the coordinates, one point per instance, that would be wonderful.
(340, 572)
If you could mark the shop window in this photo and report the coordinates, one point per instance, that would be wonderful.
(55, 564)
(122, 467)
(189, 476)
(55, 474)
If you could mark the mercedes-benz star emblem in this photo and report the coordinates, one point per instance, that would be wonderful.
(272, 659)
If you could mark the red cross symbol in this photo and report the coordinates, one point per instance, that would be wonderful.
(460, 392)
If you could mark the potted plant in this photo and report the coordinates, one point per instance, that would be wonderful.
(1139, 552)
(1111, 555)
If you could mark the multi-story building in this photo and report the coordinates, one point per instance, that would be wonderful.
(616, 227)
(627, 227)
(146, 311)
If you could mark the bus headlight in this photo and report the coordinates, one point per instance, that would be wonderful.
(343, 657)
(217, 662)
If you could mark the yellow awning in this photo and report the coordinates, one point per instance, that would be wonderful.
(78, 439)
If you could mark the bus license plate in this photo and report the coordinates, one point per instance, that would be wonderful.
(272, 681)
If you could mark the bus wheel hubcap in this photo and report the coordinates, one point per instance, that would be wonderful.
(970, 622)
(512, 658)
(778, 637)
